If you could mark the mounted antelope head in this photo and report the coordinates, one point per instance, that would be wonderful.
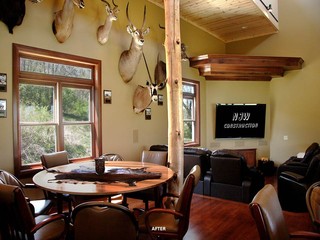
(104, 30)
(63, 23)
(143, 96)
(160, 73)
(130, 59)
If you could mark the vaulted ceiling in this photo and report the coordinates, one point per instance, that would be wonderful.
(228, 20)
(234, 20)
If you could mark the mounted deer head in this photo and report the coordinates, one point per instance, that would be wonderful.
(63, 23)
(104, 30)
(143, 96)
(130, 59)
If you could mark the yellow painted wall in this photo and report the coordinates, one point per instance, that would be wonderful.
(123, 131)
(236, 92)
(294, 99)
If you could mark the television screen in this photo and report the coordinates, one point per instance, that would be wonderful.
(240, 120)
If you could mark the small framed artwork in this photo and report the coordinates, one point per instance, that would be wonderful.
(3, 108)
(3, 82)
(147, 113)
(160, 99)
(107, 96)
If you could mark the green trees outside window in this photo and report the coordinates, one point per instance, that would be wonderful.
(56, 106)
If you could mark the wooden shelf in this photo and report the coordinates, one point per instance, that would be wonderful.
(243, 68)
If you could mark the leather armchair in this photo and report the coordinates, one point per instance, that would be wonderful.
(292, 187)
(268, 216)
(313, 205)
(299, 165)
(171, 222)
(192, 156)
(230, 178)
(39, 207)
(18, 222)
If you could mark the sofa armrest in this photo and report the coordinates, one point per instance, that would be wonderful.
(297, 163)
(292, 176)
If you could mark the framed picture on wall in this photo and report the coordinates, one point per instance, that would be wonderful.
(107, 96)
(3, 108)
(147, 112)
(160, 99)
(3, 82)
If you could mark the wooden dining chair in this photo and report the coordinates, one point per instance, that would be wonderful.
(114, 157)
(157, 157)
(313, 204)
(55, 159)
(173, 222)
(17, 221)
(267, 213)
(102, 220)
(41, 206)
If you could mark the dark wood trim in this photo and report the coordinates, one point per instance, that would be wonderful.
(57, 57)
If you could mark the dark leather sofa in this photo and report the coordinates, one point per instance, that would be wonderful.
(230, 178)
(299, 165)
(292, 186)
(192, 156)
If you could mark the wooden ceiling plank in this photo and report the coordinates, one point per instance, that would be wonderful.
(220, 17)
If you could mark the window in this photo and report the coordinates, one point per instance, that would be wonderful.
(191, 112)
(56, 102)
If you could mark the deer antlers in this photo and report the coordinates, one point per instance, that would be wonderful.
(104, 30)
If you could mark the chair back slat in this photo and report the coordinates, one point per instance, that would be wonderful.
(19, 219)
(50, 160)
(267, 213)
(157, 157)
(100, 220)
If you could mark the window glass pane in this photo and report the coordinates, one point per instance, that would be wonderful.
(188, 108)
(78, 140)
(186, 88)
(36, 140)
(56, 69)
(75, 104)
(188, 132)
(36, 103)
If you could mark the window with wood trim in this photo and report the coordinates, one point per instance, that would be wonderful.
(191, 112)
(56, 106)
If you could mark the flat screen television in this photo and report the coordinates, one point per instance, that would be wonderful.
(240, 120)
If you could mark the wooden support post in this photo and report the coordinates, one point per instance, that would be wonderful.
(174, 91)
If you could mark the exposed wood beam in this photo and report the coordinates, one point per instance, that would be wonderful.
(237, 67)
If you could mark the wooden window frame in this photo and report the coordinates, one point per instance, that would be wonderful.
(196, 84)
(63, 58)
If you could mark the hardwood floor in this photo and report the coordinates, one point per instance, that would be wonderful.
(219, 219)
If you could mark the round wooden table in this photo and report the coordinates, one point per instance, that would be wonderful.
(46, 180)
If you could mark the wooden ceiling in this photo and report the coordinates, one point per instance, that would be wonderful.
(244, 68)
(228, 20)
(234, 20)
